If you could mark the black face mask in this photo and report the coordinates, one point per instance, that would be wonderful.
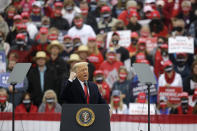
(178, 28)
(159, 44)
(164, 53)
(115, 42)
(99, 79)
(180, 62)
(134, 41)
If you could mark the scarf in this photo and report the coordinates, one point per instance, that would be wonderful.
(169, 80)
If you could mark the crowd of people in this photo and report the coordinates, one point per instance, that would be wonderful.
(56, 34)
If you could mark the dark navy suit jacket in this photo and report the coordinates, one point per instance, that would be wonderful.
(72, 93)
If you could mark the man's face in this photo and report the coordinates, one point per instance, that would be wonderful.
(55, 50)
(82, 73)
(41, 61)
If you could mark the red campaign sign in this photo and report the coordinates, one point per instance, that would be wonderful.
(151, 43)
(171, 93)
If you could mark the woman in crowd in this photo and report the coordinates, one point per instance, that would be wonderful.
(26, 105)
(123, 84)
(117, 106)
(5, 106)
(50, 103)
(95, 56)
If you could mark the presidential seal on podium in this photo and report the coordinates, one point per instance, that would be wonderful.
(85, 117)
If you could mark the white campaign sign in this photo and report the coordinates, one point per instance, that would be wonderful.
(125, 38)
(141, 109)
(112, 77)
(181, 44)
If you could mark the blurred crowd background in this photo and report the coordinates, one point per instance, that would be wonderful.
(55, 34)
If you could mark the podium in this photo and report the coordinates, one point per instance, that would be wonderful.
(85, 117)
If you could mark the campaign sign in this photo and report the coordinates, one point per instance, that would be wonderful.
(171, 93)
(125, 38)
(151, 43)
(2, 62)
(138, 87)
(181, 44)
(4, 78)
(112, 77)
(141, 109)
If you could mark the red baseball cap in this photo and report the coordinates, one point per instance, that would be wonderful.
(43, 30)
(167, 63)
(20, 36)
(67, 37)
(91, 38)
(155, 14)
(105, 9)
(96, 72)
(134, 35)
(133, 13)
(141, 98)
(142, 61)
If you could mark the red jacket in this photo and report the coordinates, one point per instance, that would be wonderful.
(21, 109)
(96, 60)
(106, 67)
(158, 67)
(105, 91)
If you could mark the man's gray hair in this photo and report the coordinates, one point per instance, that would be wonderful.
(79, 64)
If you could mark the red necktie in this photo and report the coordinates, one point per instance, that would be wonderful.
(86, 93)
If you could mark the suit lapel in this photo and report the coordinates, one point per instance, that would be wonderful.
(80, 89)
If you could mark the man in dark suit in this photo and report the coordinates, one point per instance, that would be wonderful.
(78, 90)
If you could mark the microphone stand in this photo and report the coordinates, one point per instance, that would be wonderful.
(13, 106)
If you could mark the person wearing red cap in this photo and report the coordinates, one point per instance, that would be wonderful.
(5, 106)
(88, 17)
(57, 20)
(184, 108)
(102, 85)
(107, 21)
(36, 12)
(68, 47)
(141, 52)
(162, 107)
(130, 6)
(160, 57)
(170, 78)
(10, 12)
(69, 11)
(81, 29)
(123, 84)
(26, 5)
(122, 52)
(76, 42)
(21, 48)
(110, 63)
(133, 46)
(31, 27)
(41, 42)
(95, 56)
(117, 105)
(133, 24)
(157, 26)
(182, 65)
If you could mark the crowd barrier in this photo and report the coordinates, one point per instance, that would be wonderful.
(51, 122)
